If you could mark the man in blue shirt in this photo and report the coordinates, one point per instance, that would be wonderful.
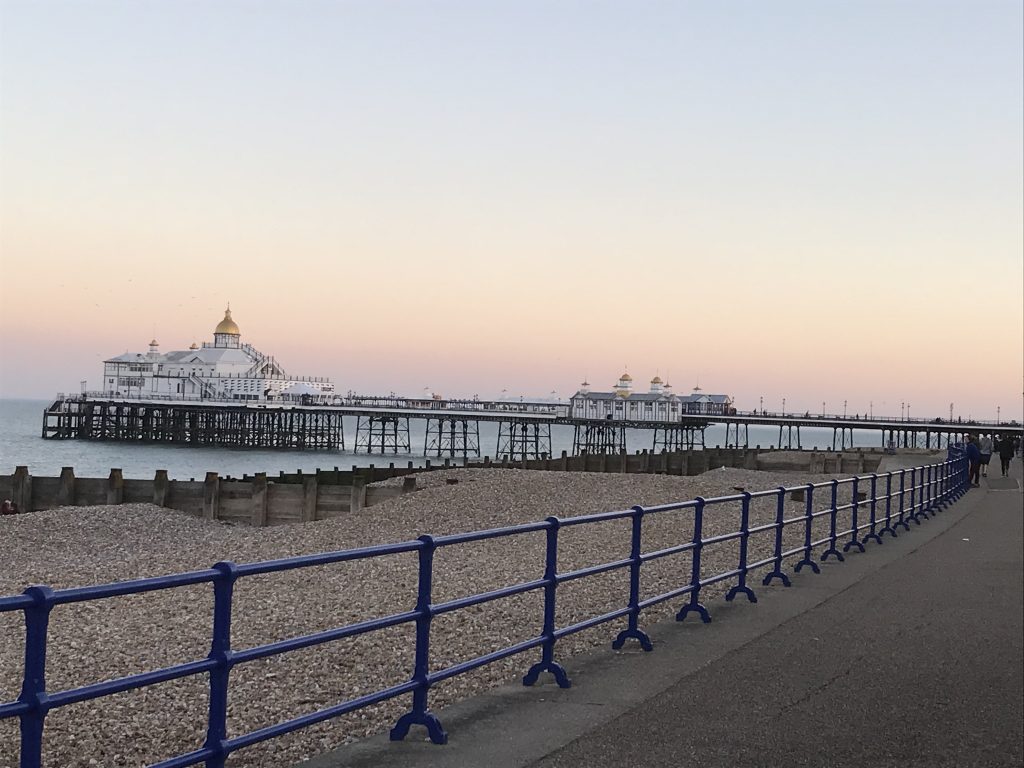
(973, 459)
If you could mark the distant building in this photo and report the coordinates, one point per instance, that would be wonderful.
(223, 370)
(658, 404)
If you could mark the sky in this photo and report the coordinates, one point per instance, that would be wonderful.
(822, 202)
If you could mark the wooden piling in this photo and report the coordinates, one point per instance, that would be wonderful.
(115, 487)
(161, 488)
(310, 487)
(66, 489)
(259, 499)
(358, 494)
(211, 496)
(21, 490)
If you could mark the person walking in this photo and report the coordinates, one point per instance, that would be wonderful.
(973, 459)
(1006, 449)
(985, 448)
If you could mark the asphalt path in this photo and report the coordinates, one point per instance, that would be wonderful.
(911, 654)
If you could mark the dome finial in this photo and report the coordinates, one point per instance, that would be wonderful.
(227, 326)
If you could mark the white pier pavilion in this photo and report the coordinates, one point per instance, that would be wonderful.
(659, 404)
(227, 369)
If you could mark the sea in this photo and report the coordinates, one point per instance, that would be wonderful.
(21, 444)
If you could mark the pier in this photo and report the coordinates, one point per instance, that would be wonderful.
(451, 426)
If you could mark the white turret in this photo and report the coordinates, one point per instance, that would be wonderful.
(625, 385)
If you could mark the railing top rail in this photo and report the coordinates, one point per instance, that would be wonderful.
(15, 603)
(599, 517)
(327, 558)
(490, 533)
(671, 506)
(132, 586)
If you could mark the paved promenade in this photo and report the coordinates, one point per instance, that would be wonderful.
(911, 654)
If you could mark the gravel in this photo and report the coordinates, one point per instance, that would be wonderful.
(101, 640)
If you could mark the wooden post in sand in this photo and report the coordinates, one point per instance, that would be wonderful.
(115, 487)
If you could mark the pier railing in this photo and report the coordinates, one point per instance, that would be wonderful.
(853, 511)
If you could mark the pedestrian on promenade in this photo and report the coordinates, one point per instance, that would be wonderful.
(973, 459)
(985, 448)
(1006, 449)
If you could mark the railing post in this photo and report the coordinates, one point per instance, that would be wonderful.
(632, 629)
(903, 492)
(420, 714)
(854, 506)
(922, 495)
(780, 517)
(925, 501)
(933, 505)
(547, 661)
(698, 545)
(808, 531)
(33, 688)
(741, 586)
(888, 507)
(220, 653)
(913, 496)
(873, 533)
(832, 535)
(965, 475)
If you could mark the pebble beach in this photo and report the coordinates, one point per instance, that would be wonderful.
(101, 640)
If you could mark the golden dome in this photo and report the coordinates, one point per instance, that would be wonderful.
(153, 343)
(625, 377)
(227, 325)
(656, 380)
(194, 346)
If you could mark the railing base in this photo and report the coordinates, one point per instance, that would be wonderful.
(738, 589)
(637, 634)
(704, 615)
(777, 574)
(807, 561)
(556, 669)
(427, 719)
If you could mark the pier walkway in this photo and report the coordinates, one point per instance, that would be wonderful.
(911, 654)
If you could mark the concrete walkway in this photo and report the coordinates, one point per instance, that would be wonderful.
(911, 654)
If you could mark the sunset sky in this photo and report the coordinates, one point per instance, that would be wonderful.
(817, 201)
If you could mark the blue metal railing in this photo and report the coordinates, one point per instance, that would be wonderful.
(921, 492)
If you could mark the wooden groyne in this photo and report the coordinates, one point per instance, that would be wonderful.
(261, 500)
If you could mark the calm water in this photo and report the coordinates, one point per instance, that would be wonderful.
(20, 443)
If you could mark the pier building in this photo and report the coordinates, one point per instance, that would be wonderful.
(659, 404)
(227, 369)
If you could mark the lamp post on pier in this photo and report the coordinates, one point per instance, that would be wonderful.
(871, 409)
(950, 411)
(908, 411)
(903, 408)
(823, 409)
(844, 409)
(783, 406)
(762, 405)
(997, 412)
